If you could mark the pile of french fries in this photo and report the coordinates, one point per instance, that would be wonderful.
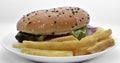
(69, 45)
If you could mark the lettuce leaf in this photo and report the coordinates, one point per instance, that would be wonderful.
(79, 33)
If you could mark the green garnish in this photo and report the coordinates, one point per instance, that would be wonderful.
(79, 33)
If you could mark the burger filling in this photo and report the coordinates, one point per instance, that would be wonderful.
(78, 33)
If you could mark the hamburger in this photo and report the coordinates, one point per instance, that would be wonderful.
(48, 24)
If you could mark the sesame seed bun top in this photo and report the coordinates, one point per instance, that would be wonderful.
(56, 21)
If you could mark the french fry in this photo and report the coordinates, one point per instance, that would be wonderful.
(80, 51)
(50, 53)
(19, 45)
(66, 45)
(65, 38)
(100, 46)
(83, 51)
(102, 35)
(70, 45)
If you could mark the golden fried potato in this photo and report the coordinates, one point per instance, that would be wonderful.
(100, 46)
(50, 53)
(81, 51)
(18, 45)
(102, 35)
(70, 45)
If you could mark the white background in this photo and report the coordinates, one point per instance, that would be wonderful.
(99, 10)
(102, 12)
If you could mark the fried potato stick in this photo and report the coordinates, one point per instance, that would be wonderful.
(19, 45)
(83, 51)
(102, 35)
(100, 46)
(70, 45)
(80, 51)
(50, 53)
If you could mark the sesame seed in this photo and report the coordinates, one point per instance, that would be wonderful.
(49, 16)
(28, 18)
(87, 14)
(54, 22)
(29, 22)
(56, 11)
(35, 13)
(88, 18)
(70, 16)
(72, 9)
(73, 13)
(57, 15)
(63, 13)
(72, 26)
(82, 18)
(76, 11)
(28, 14)
(78, 8)
(76, 24)
(46, 10)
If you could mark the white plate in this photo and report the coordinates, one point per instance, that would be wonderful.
(10, 39)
